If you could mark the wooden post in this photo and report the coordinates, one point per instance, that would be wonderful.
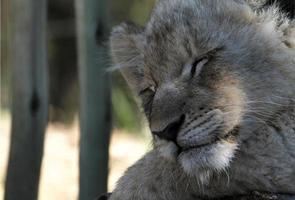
(95, 97)
(29, 98)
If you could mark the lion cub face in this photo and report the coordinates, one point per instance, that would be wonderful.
(194, 67)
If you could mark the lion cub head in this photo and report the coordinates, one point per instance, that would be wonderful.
(204, 69)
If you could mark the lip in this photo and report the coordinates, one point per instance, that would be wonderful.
(186, 149)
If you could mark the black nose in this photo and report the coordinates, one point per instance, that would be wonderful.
(171, 131)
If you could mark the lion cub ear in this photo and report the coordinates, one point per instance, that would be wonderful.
(125, 42)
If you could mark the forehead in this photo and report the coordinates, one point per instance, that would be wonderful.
(166, 52)
(169, 45)
(179, 31)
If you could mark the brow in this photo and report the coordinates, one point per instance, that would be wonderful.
(213, 51)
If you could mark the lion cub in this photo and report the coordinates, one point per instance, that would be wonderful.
(217, 84)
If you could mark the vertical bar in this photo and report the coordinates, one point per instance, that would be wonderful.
(94, 97)
(29, 98)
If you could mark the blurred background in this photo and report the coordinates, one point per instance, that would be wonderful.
(129, 137)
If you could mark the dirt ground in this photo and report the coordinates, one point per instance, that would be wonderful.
(59, 176)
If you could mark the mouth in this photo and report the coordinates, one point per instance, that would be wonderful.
(214, 154)
(203, 142)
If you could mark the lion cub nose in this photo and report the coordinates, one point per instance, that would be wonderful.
(171, 130)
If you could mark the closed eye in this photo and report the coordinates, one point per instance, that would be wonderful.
(151, 89)
(198, 64)
(147, 97)
(195, 68)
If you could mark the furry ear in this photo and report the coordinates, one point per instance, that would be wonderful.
(125, 50)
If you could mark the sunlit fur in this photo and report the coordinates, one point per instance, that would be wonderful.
(238, 133)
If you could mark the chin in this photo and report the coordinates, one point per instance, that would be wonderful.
(209, 158)
(200, 161)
